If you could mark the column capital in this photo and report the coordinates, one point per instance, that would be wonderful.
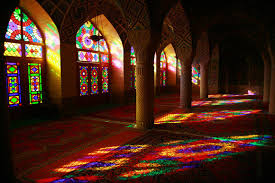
(185, 55)
(144, 38)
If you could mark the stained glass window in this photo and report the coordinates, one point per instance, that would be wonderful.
(24, 42)
(133, 68)
(30, 30)
(163, 69)
(95, 56)
(35, 83)
(34, 51)
(88, 56)
(104, 58)
(14, 27)
(195, 76)
(13, 84)
(83, 40)
(12, 49)
(105, 79)
(83, 80)
(94, 80)
(103, 46)
(133, 57)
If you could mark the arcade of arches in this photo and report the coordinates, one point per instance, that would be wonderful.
(137, 91)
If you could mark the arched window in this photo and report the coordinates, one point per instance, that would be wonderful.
(133, 68)
(93, 61)
(195, 76)
(25, 56)
(163, 69)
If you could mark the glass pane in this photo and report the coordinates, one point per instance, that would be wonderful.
(103, 46)
(133, 78)
(162, 56)
(30, 30)
(94, 80)
(105, 82)
(194, 81)
(12, 49)
(104, 58)
(88, 56)
(133, 52)
(33, 51)
(133, 61)
(13, 84)
(164, 78)
(83, 40)
(35, 83)
(83, 73)
(14, 27)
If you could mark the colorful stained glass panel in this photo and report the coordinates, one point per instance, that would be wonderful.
(133, 52)
(133, 61)
(13, 84)
(103, 46)
(94, 80)
(30, 30)
(162, 56)
(14, 27)
(133, 78)
(164, 78)
(105, 81)
(34, 51)
(83, 40)
(104, 58)
(35, 83)
(88, 56)
(12, 49)
(83, 73)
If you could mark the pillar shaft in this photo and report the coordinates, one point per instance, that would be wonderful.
(272, 91)
(186, 86)
(145, 91)
(144, 43)
(204, 81)
(267, 73)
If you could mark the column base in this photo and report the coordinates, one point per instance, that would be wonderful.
(143, 125)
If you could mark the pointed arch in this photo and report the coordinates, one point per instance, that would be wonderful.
(52, 48)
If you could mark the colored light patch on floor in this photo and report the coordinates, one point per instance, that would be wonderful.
(220, 102)
(203, 116)
(155, 159)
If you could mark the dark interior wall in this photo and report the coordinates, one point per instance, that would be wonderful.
(240, 72)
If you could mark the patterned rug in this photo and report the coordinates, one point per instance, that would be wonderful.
(38, 146)
(164, 157)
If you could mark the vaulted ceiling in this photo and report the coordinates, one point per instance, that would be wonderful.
(181, 21)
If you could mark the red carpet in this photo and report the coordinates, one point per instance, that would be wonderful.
(225, 136)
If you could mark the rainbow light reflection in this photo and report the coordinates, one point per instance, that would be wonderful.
(175, 117)
(220, 102)
(134, 161)
(224, 95)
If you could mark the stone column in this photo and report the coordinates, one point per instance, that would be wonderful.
(5, 129)
(267, 70)
(127, 73)
(145, 43)
(185, 56)
(204, 80)
(272, 91)
(272, 81)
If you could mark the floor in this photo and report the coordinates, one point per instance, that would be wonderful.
(226, 138)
